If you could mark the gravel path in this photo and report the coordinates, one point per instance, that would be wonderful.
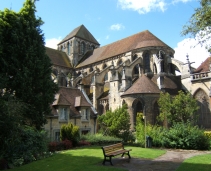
(170, 161)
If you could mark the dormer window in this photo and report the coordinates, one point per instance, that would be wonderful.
(63, 114)
(85, 114)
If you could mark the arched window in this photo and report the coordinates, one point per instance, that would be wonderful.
(104, 66)
(134, 57)
(83, 48)
(146, 62)
(79, 46)
(203, 115)
(62, 48)
(68, 48)
(135, 72)
(106, 77)
(119, 62)
(155, 69)
(90, 69)
(62, 80)
(93, 47)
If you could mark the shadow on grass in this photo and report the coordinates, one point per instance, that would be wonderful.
(66, 161)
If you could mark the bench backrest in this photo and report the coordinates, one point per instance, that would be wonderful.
(110, 148)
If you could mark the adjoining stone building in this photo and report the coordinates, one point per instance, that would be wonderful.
(133, 70)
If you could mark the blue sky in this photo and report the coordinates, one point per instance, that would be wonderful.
(112, 20)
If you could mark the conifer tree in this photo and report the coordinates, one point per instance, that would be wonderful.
(25, 70)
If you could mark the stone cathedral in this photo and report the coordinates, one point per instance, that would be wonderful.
(133, 70)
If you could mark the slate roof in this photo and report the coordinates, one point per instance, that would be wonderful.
(80, 32)
(139, 40)
(71, 97)
(58, 58)
(204, 67)
(143, 85)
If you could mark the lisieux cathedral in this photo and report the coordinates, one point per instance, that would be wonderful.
(132, 71)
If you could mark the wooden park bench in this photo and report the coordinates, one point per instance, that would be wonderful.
(114, 150)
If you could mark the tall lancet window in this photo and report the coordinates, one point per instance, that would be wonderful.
(83, 48)
(146, 62)
(68, 48)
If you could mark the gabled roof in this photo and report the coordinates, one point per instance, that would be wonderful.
(81, 32)
(58, 58)
(136, 41)
(69, 96)
(204, 67)
(143, 85)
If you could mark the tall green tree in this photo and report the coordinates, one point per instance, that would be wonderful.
(199, 25)
(116, 123)
(180, 108)
(25, 70)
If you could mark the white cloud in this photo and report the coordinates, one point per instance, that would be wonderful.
(117, 27)
(143, 6)
(107, 37)
(52, 43)
(183, 1)
(197, 53)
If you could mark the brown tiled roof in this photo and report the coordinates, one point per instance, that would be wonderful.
(58, 58)
(171, 84)
(67, 97)
(143, 85)
(70, 94)
(204, 67)
(139, 40)
(82, 33)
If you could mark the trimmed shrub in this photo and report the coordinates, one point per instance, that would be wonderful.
(70, 132)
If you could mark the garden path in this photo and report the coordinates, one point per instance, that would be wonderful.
(170, 161)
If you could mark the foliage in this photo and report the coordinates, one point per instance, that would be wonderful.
(208, 134)
(186, 136)
(26, 69)
(70, 132)
(99, 139)
(154, 131)
(180, 108)
(116, 123)
(199, 25)
(30, 145)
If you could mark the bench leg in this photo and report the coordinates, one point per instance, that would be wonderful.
(127, 154)
(107, 160)
(110, 161)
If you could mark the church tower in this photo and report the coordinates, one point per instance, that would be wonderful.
(78, 44)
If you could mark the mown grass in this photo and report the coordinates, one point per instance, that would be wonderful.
(87, 158)
(197, 163)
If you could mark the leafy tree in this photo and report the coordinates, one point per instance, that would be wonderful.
(116, 123)
(200, 24)
(25, 68)
(180, 108)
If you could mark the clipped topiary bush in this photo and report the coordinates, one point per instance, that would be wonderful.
(70, 132)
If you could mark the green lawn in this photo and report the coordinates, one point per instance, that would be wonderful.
(197, 163)
(88, 158)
